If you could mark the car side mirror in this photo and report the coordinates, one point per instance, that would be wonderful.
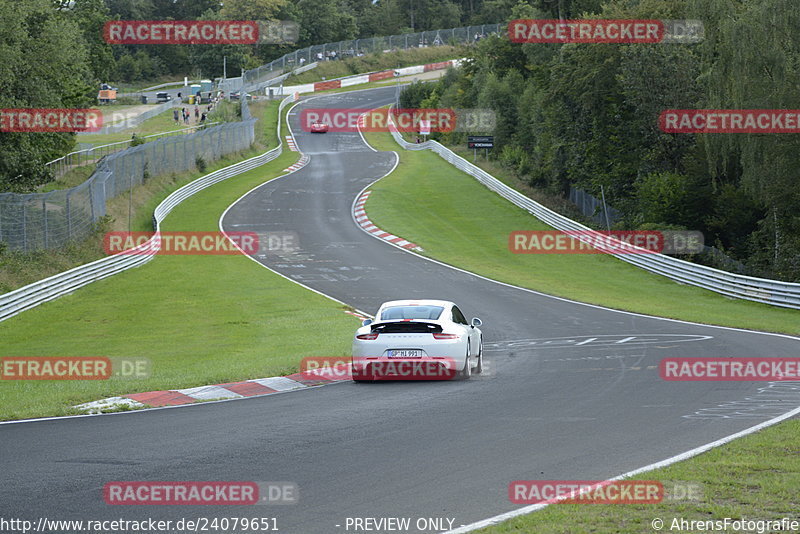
(476, 322)
(366, 322)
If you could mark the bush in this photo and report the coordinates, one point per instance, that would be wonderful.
(200, 163)
(137, 140)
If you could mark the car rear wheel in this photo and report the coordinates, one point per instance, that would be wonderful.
(466, 372)
(479, 368)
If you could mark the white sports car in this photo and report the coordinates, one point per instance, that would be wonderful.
(417, 340)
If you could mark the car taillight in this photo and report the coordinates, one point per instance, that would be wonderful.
(445, 336)
(367, 336)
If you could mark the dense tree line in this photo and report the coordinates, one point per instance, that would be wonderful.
(320, 21)
(53, 54)
(586, 115)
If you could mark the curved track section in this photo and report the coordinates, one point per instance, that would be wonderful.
(572, 391)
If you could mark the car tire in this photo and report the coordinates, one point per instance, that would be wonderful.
(479, 368)
(466, 372)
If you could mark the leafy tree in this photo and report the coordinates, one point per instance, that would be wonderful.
(45, 65)
(251, 9)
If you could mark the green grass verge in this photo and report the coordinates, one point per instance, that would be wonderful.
(458, 221)
(161, 123)
(755, 477)
(199, 319)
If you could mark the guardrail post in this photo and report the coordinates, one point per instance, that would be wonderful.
(69, 216)
(44, 215)
(24, 226)
(91, 200)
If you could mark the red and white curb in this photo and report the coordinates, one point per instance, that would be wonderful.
(302, 162)
(361, 218)
(234, 390)
(290, 142)
(357, 315)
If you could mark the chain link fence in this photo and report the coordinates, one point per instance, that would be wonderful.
(48, 220)
(132, 121)
(64, 164)
(358, 47)
(593, 208)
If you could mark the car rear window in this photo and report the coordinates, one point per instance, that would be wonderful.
(411, 312)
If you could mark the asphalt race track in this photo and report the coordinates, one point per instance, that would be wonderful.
(572, 391)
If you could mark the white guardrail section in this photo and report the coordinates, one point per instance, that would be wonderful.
(774, 292)
(61, 284)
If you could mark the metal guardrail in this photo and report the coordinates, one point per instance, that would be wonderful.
(32, 295)
(774, 292)
(356, 47)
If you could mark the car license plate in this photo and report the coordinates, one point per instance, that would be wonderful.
(405, 353)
